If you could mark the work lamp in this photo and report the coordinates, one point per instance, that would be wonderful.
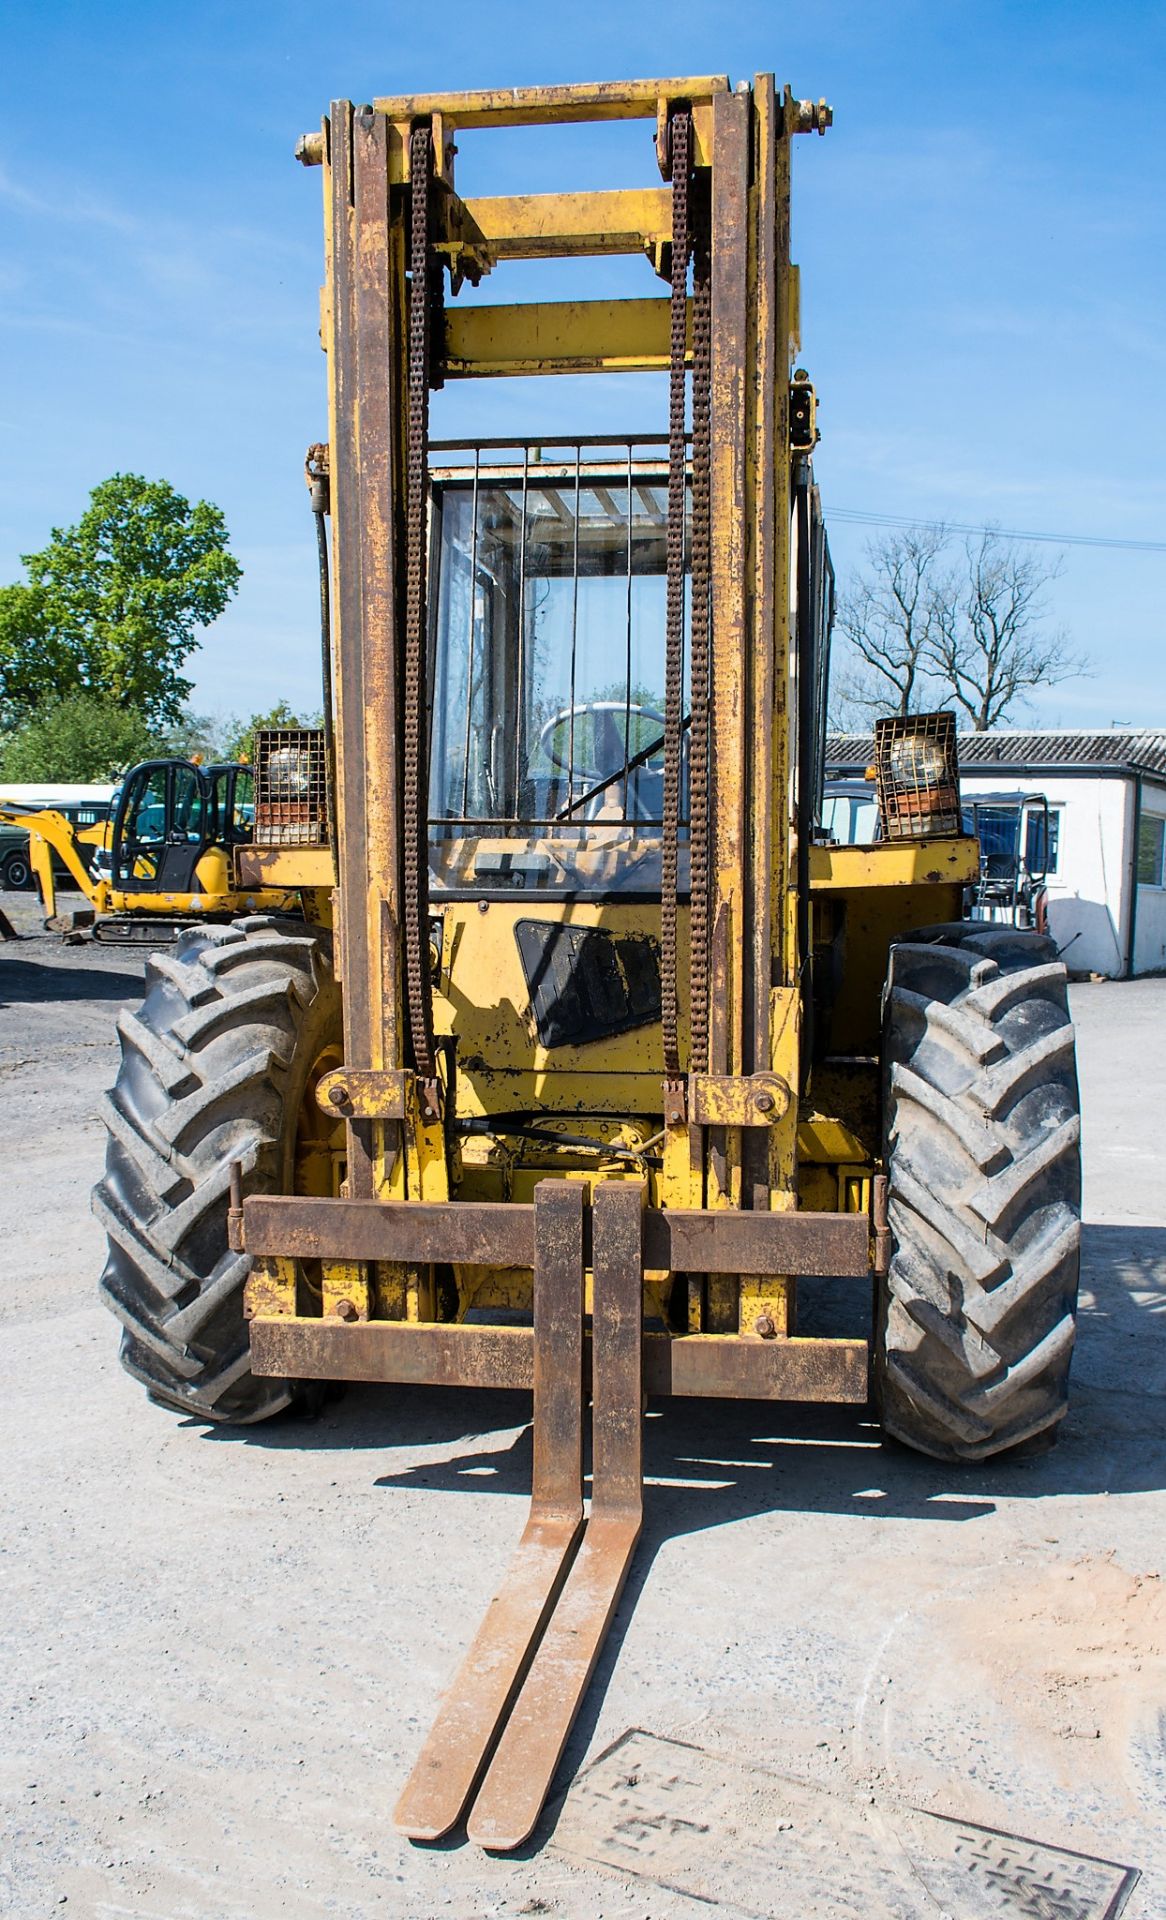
(918, 775)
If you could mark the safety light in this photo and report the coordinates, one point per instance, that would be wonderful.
(917, 772)
(291, 803)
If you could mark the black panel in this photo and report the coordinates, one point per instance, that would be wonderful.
(585, 983)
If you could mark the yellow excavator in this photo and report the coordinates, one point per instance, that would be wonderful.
(586, 1053)
(161, 861)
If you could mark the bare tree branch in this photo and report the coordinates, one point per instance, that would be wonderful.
(885, 618)
(917, 630)
(987, 640)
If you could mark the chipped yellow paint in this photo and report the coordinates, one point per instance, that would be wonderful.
(344, 1283)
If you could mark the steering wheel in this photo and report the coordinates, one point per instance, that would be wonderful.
(607, 716)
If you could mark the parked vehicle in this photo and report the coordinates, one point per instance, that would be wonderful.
(160, 857)
(1013, 832)
(85, 817)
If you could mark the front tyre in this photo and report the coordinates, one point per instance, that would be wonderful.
(982, 1142)
(217, 1065)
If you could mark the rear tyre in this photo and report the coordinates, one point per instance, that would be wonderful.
(982, 1140)
(16, 873)
(215, 1066)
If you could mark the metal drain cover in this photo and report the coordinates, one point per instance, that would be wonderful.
(770, 1848)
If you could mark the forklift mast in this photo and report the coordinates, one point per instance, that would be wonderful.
(731, 954)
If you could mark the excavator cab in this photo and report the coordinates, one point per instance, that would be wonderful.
(165, 858)
(170, 814)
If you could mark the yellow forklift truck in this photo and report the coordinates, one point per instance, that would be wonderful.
(587, 1050)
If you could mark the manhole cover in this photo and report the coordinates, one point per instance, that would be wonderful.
(776, 1849)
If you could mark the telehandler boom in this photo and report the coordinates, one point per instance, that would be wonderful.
(587, 1050)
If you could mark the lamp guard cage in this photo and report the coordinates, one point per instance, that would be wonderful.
(291, 787)
(917, 771)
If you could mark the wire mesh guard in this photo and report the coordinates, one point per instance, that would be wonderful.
(918, 775)
(291, 787)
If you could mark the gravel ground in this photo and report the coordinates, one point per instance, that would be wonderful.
(219, 1652)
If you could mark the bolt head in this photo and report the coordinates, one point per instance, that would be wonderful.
(338, 1096)
(764, 1326)
(763, 1101)
(345, 1310)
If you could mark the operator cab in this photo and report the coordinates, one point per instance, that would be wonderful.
(547, 670)
(169, 814)
(547, 736)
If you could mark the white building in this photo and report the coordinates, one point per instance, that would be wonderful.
(1107, 804)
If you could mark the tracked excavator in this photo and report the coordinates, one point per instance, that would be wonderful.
(586, 1055)
(163, 859)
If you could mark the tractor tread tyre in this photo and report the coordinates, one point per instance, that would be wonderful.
(213, 1068)
(977, 1312)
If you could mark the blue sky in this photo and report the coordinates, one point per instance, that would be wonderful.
(980, 236)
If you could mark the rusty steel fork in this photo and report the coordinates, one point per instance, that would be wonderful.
(467, 1724)
(511, 1797)
(521, 1684)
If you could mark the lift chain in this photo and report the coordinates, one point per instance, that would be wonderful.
(679, 129)
(701, 650)
(415, 771)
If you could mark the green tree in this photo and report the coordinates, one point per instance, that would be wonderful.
(239, 734)
(86, 736)
(113, 605)
(205, 734)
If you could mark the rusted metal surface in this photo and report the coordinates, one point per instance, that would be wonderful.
(530, 226)
(770, 1158)
(731, 848)
(235, 1206)
(686, 1366)
(363, 1095)
(419, 1353)
(724, 1367)
(679, 129)
(810, 116)
(739, 1100)
(459, 1743)
(415, 846)
(483, 1233)
(557, 336)
(542, 106)
(348, 533)
(520, 1775)
(881, 1224)
(682, 1241)
(700, 649)
(502, 1234)
(370, 902)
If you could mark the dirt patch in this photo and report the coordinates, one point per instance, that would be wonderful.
(1077, 1653)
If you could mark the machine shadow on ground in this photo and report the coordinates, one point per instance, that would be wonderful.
(708, 1462)
(22, 981)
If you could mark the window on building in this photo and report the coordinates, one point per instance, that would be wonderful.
(1151, 844)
